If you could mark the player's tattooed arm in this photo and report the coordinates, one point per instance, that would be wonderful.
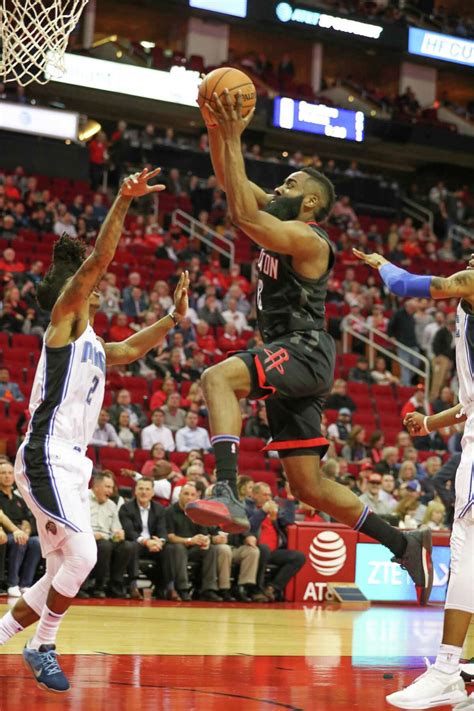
(74, 297)
(458, 286)
(140, 343)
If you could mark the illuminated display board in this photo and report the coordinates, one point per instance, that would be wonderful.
(324, 120)
(238, 8)
(438, 46)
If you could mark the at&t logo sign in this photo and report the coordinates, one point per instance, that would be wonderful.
(327, 553)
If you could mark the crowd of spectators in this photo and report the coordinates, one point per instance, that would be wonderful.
(162, 411)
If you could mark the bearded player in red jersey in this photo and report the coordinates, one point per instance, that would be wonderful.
(294, 368)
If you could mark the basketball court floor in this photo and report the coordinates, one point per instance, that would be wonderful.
(154, 656)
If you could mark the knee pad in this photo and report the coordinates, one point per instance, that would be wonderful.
(460, 595)
(36, 596)
(80, 556)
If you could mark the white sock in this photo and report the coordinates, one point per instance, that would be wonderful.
(9, 627)
(47, 629)
(448, 658)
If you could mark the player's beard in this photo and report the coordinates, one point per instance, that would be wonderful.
(284, 208)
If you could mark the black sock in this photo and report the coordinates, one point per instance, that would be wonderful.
(375, 527)
(226, 452)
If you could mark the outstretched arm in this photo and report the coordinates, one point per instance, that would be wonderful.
(402, 283)
(291, 237)
(418, 425)
(74, 297)
(140, 343)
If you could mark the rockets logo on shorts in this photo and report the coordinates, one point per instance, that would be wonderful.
(51, 527)
(276, 360)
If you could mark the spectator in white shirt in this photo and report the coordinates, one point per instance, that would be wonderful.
(191, 436)
(113, 551)
(232, 315)
(430, 331)
(104, 434)
(157, 432)
(65, 224)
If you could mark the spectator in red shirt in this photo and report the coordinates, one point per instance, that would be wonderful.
(230, 341)
(215, 276)
(160, 396)
(415, 404)
(235, 277)
(120, 330)
(9, 263)
(97, 158)
(268, 522)
(11, 191)
(205, 340)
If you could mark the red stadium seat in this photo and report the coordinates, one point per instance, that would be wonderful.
(250, 460)
(115, 458)
(19, 356)
(21, 340)
(140, 456)
(252, 444)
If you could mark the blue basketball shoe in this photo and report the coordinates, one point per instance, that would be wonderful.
(44, 665)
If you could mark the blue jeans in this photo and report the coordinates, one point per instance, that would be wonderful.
(406, 374)
(22, 561)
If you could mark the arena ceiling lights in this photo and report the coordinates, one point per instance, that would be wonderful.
(178, 86)
(304, 16)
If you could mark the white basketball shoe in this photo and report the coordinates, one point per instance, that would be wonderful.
(467, 705)
(431, 689)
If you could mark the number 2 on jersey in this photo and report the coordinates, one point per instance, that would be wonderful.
(92, 389)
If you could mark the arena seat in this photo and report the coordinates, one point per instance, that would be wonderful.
(252, 444)
(251, 460)
(140, 456)
(21, 340)
(114, 458)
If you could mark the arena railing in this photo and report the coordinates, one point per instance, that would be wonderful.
(457, 233)
(205, 234)
(418, 212)
(371, 337)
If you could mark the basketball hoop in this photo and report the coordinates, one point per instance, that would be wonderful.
(34, 35)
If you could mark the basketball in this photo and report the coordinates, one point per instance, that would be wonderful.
(226, 78)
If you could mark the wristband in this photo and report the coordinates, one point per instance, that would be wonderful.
(172, 316)
(402, 283)
(425, 424)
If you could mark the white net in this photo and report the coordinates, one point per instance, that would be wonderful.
(34, 36)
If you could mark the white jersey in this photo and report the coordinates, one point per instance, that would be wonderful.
(465, 357)
(464, 506)
(68, 391)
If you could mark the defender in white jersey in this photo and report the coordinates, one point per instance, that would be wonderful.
(442, 684)
(51, 468)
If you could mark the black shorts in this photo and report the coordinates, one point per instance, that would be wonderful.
(294, 374)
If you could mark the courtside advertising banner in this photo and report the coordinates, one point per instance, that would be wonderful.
(380, 579)
(330, 557)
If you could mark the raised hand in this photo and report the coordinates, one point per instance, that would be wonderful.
(181, 295)
(136, 185)
(227, 113)
(372, 260)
